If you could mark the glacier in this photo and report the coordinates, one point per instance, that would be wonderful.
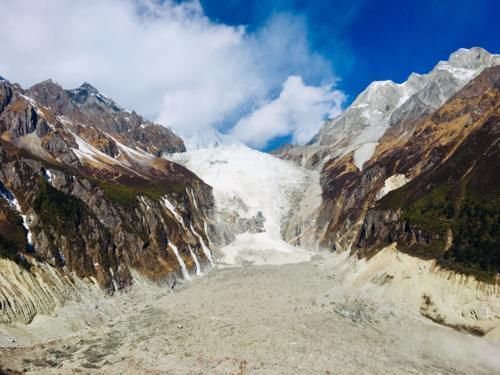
(249, 183)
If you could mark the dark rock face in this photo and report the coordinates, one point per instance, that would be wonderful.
(387, 226)
(21, 118)
(80, 192)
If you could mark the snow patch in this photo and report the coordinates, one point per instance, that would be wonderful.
(26, 224)
(29, 100)
(8, 196)
(49, 176)
(193, 198)
(86, 151)
(169, 206)
(392, 183)
(196, 262)
(459, 73)
(364, 153)
(145, 203)
(14, 203)
(36, 106)
(184, 271)
(205, 228)
(206, 250)
(137, 154)
(207, 138)
(115, 286)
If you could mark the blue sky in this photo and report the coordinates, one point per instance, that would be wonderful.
(265, 72)
(367, 40)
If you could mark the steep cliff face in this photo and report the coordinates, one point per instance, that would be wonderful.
(82, 193)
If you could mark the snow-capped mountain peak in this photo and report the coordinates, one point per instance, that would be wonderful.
(384, 103)
(473, 58)
(207, 138)
(87, 94)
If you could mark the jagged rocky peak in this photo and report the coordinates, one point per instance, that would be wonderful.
(462, 65)
(472, 59)
(385, 104)
(379, 94)
(50, 92)
(85, 86)
(88, 95)
(86, 107)
(48, 85)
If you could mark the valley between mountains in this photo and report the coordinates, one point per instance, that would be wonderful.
(374, 248)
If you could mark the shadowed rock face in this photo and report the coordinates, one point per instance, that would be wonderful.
(79, 191)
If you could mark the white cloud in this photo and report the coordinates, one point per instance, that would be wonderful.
(165, 60)
(299, 111)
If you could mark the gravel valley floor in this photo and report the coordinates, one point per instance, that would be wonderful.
(287, 319)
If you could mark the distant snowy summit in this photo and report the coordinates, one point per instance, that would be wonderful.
(207, 138)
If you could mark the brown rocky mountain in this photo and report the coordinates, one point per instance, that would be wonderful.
(450, 208)
(82, 194)
(86, 106)
(431, 184)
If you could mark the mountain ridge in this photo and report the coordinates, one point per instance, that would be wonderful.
(83, 194)
(384, 104)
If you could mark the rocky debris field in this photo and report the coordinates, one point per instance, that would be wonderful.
(287, 319)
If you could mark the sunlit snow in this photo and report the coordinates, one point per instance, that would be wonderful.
(264, 184)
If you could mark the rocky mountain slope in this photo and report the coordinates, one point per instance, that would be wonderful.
(86, 203)
(437, 131)
(84, 196)
(450, 208)
(415, 168)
